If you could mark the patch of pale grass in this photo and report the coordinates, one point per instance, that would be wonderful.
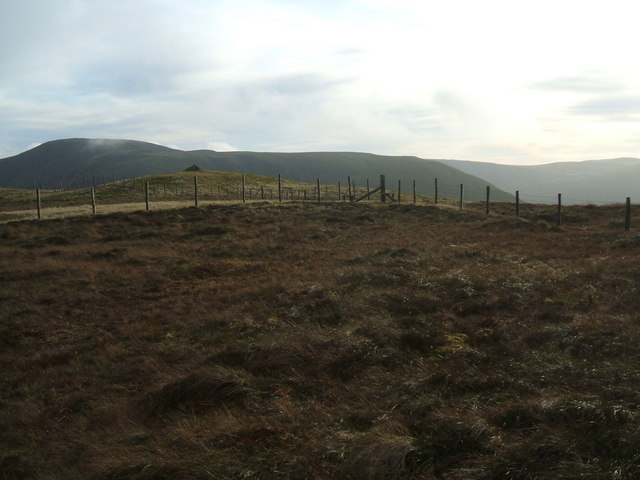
(84, 210)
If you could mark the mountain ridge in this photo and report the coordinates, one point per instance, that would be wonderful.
(77, 161)
(589, 181)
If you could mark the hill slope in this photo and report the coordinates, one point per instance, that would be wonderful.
(77, 162)
(579, 182)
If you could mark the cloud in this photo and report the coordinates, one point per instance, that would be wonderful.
(587, 82)
(617, 108)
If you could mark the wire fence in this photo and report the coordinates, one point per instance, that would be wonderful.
(188, 190)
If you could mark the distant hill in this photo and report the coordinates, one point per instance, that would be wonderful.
(80, 162)
(590, 181)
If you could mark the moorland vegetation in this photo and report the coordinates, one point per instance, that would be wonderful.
(320, 341)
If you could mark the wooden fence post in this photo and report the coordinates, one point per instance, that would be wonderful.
(399, 191)
(195, 190)
(350, 194)
(38, 204)
(93, 200)
(146, 195)
(488, 197)
(383, 192)
(414, 192)
(436, 191)
(559, 215)
(517, 203)
(244, 189)
(627, 216)
(318, 184)
(279, 188)
(368, 190)
(461, 195)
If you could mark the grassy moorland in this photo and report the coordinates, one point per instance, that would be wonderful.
(331, 341)
(213, 185)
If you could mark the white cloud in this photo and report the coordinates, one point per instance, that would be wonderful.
(221, 147)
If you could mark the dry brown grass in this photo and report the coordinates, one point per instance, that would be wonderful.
(319, 341)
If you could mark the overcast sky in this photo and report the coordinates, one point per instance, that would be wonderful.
(504, 81)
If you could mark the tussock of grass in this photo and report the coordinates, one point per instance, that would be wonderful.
(195, 392)
(143, 471)
(379, 458)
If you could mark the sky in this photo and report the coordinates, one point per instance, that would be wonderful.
(504, 81)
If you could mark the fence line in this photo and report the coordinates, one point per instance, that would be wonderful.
(494, 201)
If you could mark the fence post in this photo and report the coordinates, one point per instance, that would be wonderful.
(93, 200)
(261, 192)
(146, 195)
(244, 189)
(350, 194)
(414, 191)
(559, 217)
(318, 184)
(461, 195)
(368, 190)
(517, 203)
(383, 192)
(436, 192)
(279, 188)
(399, 191)
(195, 189)
(38, 204)
(627, 216)
(488, 196)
